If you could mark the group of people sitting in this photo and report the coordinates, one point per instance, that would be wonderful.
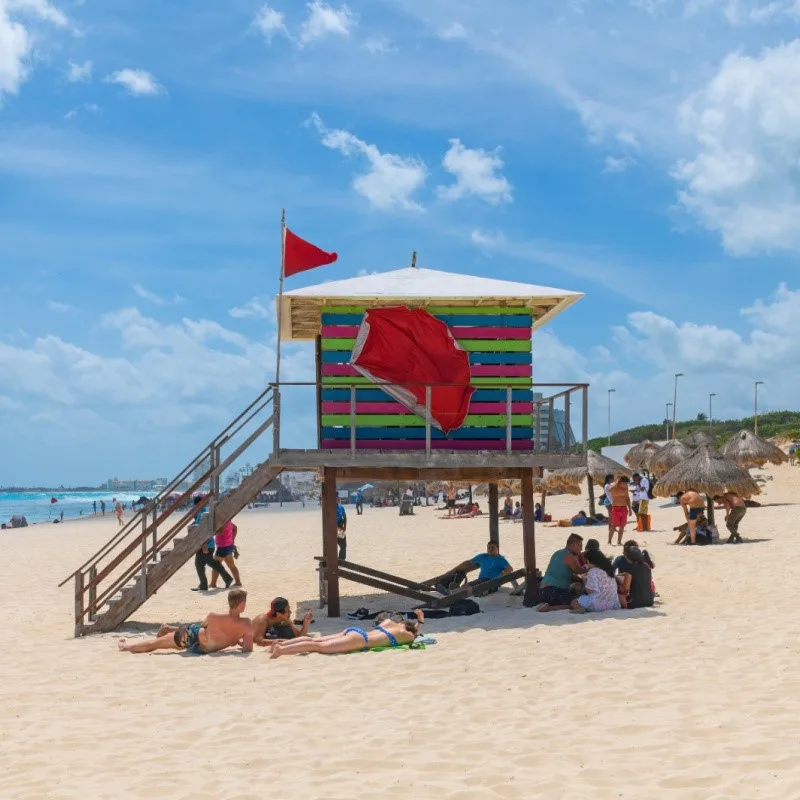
(274, 629)
(584, 580)
(467, 510)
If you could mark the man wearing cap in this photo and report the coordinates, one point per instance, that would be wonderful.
(277, 623)
(640, 490)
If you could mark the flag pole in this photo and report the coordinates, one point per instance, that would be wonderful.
(280, 295)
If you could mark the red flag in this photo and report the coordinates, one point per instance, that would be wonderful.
(397, 345)
(300, 255)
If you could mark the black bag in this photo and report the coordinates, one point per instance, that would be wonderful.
(651, 484)
(464, 608)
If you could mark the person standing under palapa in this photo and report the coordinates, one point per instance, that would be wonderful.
(735, 509)
(620, 508)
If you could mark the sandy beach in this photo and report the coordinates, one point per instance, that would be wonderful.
(693, 698)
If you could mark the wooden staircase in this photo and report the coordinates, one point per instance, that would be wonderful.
(144, 554)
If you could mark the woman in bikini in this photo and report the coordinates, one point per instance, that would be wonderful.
(388, 633)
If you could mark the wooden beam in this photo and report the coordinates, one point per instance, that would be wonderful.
(494, 514)
(330, 548)
(529, 538)
(478, 475)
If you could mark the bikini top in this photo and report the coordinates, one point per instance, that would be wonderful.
(390, 636)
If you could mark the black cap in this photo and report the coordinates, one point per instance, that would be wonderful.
(633, 554)
(279, 605)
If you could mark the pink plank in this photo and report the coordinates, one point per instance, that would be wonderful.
(419, 444)
(477, 370)
(459, 331)
(334, 407)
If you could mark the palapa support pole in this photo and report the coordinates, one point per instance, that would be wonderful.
(529, 538)
(590, 484)
(494, 514)
(277, 401)
(414, 260)
(330, 547)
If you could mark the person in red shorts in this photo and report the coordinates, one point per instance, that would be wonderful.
(620, 508)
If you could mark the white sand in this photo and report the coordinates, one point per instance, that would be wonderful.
(696, 698)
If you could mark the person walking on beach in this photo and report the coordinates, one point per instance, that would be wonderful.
(216, 632)
(94, 507)
(225, 542)
(103, 507)
(620, 508)
(359, 503)
(735, 509)
(341, 531)
(693, 506)
(118, 510)
(204, 557)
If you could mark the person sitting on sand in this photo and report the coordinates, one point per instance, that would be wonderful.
(600, 585)
(538, 514)
(277, 623)
(491, 565)
(215, 632)
(555, 590)
(636, 580)
(388, 634)
(693, 506)
(508, 508)
(703, 532)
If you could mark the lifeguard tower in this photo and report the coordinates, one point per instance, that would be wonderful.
(363, 432)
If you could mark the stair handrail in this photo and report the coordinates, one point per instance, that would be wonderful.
(256, 406)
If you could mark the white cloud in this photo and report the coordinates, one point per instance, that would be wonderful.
(154, 298)
(61, 308)
(77, 73)
(378, 44)
(617, 165)
(629, 139)
(324, 20)
(269, 22)
(488, 241)
(136, 81)
(259, 307)
(15, 46)
(89, 108)
(42, 9)
(453, 30)
(742, 180)
(391, 180)
(476, 174)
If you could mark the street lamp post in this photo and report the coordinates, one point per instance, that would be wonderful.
(675, 403)
(711, 411)
(756, 384)
(666, 420)
(610, 392)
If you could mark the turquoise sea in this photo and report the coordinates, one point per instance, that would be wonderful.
(38, 506)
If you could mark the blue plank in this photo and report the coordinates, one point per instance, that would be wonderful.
(379, 396)
(343, 357)
(478, 320)
(419, 433)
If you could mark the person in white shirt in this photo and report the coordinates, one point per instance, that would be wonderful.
(640, 488)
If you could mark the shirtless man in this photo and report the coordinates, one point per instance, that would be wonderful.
(388, 634)
(620, 508)
(216, 632)
(735, 509)
(693, 506)
(278, 622)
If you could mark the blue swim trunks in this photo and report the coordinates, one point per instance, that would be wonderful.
(188, 639)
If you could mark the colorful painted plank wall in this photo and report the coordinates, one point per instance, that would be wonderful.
(498, 341)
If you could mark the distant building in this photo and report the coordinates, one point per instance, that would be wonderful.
(198, 473)
(562, 437)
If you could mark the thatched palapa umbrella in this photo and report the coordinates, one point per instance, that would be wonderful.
(748, 450)
(595, 471)
(664, 459)
(638, 456)
(697, 438)
(709, 472)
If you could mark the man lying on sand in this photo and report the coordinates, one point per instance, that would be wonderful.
(388, 634)
(216, 632)
(277, 623)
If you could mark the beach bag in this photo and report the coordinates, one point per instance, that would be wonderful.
(464, 608)
(643, 527)
(651, 485)
(548, 518)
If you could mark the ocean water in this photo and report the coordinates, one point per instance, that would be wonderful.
(37, 506)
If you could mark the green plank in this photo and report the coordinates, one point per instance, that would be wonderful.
(413, 421)
(470, 345)
(337, 380)
(439, 310)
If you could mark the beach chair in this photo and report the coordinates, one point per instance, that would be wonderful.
(423, 592)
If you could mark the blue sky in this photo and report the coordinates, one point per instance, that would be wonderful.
(641, 151)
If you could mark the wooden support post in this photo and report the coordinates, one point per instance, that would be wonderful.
(709, 510)
(92, 593)
(494, 514)
(590, 484)
(585, 420)
(567, 405)
(155, 527)
(529, 538)
(330, 548)
(79, 603)
(276, 419)
(144, 568)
